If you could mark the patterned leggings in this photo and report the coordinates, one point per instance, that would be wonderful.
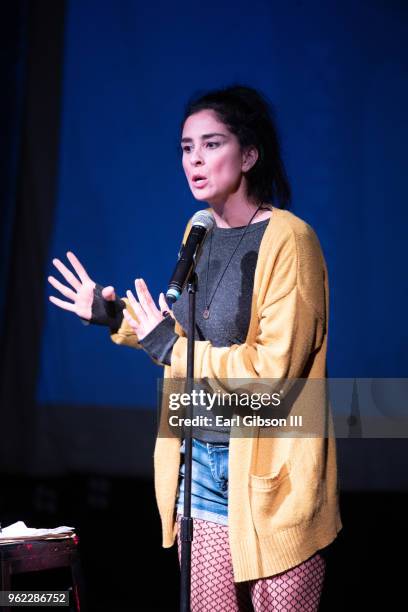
(213, 588)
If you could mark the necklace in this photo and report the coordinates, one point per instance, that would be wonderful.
(206, 311)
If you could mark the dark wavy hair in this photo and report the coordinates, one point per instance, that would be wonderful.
(250, 116)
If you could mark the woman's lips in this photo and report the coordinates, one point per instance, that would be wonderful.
(200, 183)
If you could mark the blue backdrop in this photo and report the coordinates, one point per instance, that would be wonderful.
(336, 73)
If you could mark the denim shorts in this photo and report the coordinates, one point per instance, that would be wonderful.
(209, 484)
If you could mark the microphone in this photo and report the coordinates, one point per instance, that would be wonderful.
(201, 223)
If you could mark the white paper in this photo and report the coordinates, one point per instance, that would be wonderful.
(20, 531)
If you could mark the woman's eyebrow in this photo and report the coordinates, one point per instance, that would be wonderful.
(203, 137)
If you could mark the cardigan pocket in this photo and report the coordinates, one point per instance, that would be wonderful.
(270, 482)
(267, 493)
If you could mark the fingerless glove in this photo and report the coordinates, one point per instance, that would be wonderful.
(158, 343)
(105, 312)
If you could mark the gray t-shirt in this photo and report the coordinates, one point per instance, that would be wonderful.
(230, 303)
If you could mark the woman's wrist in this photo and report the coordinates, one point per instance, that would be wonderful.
(158, 343)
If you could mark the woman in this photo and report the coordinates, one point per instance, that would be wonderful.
(264, 506)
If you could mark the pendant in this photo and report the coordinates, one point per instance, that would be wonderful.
(206, 313)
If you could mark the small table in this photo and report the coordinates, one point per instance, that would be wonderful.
(39, 555)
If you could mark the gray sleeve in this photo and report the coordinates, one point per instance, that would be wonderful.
(158, 343)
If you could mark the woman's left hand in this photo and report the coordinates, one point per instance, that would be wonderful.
(145, 309)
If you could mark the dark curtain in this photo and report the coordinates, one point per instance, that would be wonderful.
(32, 61)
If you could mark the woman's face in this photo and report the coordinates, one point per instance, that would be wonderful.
(212, 158)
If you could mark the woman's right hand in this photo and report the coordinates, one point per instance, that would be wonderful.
(80, 291)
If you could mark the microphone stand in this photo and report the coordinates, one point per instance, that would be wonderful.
(186, 527)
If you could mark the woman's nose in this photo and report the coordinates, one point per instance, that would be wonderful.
(196, 157)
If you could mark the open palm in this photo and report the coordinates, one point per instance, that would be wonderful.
(80, 291)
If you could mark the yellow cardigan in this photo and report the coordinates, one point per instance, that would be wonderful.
(283, 490)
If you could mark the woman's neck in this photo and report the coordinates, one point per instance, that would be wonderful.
(238, 213)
